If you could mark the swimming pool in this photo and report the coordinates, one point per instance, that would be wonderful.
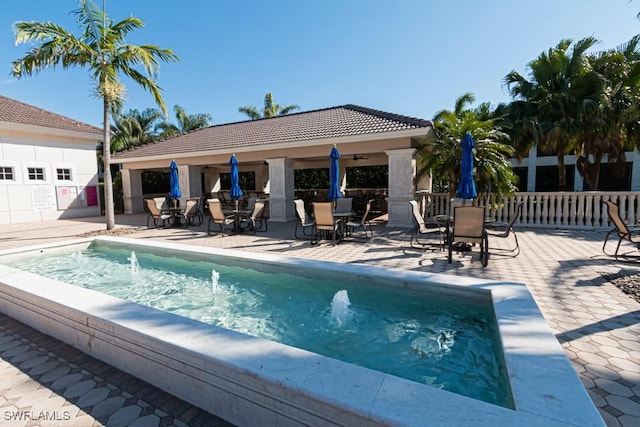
(245, 379)
(427, 337)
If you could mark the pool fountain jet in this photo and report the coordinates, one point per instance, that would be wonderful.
(215, 276)
(79, 257)
(135, 266)
(340, 307)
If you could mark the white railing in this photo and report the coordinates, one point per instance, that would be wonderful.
(580, 210)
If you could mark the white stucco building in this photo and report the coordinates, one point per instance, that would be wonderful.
(48, 167)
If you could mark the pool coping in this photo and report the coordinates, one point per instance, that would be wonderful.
(275, 382)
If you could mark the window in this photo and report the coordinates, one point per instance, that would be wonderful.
(63, 174)
(522, 172)
(6, 173)
(547, 178)
(614, 177)
(36, 174)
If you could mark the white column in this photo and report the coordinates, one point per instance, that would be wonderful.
(402, 173)
(635, 171)
(189, 178)
(578, 184)
(263, 185)
(425, 183)
(531, 169)
(343, 178)
(132, 190)
(281, 191)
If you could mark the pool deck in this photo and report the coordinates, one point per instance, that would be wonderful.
(597, 325)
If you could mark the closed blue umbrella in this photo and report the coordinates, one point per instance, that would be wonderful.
(235, 192)
(334, 175)
(174, 181)
(467, 186)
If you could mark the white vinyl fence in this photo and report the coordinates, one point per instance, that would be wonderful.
(566, 210)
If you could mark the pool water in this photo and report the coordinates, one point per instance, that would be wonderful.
(447, 343)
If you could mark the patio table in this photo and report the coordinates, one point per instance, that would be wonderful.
(343, 218)
(238, 214)
(176, 213)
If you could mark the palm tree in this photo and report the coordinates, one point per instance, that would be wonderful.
(134, 128)
(441, 154)
(561, 91)
(186, 123)
(614, 127)
(100, 48)
(271, 109)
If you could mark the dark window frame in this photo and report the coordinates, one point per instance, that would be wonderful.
(6, 173)
(63, 174)
(35, 174)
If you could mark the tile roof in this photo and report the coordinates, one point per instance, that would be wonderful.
(335, 122)
(13, 111)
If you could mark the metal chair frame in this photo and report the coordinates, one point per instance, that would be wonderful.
(304, 221)
(217, 216)
(468, 227)
(623, 231)
(504, 229)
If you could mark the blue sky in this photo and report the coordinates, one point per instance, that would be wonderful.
(412, 57)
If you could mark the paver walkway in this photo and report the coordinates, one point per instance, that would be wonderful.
(597, 325)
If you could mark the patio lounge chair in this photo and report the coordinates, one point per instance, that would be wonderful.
(352, 225)
(468, 227)
(624, 232)
(303, 219)
(155, 213)
(504, 229)
(216, 216)
(255, 222)
(422, 229)
(325, 221)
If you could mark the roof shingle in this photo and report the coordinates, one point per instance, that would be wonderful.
(335, 122)
(13, 111)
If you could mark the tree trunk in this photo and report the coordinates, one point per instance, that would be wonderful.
(106, 157)
(562, 175)
(597, 162)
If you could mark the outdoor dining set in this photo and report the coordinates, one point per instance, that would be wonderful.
(334, 219)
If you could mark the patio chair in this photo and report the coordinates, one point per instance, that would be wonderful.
(344, 204)
(162, 204)
(624, 232)
(468, 227)
(192, 213)
(324, 221)
(424, 229)
(226, 203)
(255, 222)
(504, 229)
(303, 219)
(217, 216)
(351, 226)
(155, 213)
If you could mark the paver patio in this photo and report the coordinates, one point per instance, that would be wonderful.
(597, 325)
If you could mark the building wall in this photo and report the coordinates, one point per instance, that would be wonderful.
(533, 165)
(26, 200)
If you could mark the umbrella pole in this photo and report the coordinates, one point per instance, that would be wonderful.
(236, 204)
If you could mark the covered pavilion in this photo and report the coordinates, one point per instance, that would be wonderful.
(274, 147)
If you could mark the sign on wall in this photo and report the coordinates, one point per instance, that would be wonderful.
(68, 197)
(43, 198)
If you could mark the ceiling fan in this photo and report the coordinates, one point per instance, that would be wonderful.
(356, 157)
